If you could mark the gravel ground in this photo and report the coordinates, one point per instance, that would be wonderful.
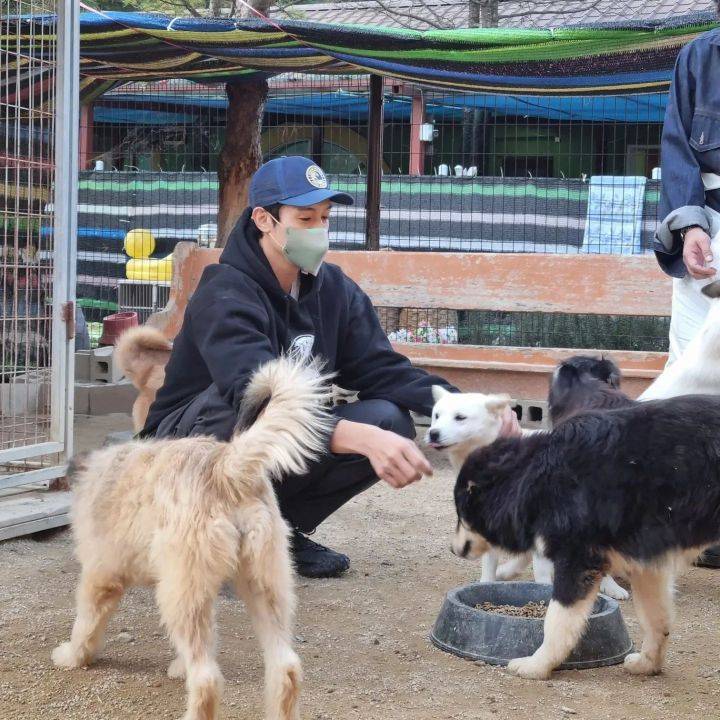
(362, 638)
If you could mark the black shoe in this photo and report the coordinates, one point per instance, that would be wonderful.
(316, 561)
(709, 558)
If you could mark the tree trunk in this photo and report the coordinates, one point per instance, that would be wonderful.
(474, 13)
(241, 155)
(483, 13)
(488, 13)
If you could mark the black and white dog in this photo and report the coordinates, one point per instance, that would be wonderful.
(633, 490)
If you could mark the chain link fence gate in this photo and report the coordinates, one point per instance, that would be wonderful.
(38, 160)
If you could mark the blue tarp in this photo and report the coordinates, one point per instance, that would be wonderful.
(354, 106)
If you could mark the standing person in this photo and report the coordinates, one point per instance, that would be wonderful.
(272, 293)
(687, 244)
(690, 202)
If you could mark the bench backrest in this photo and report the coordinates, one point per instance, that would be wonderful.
(574, 284)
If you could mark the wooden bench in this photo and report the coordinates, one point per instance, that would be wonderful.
(575, 284)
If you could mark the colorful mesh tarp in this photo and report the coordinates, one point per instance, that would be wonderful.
(602, 59)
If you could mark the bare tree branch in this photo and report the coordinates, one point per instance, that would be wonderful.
(481, 13)
(190, 8)
(398, 14)
(526, 13)
(438, 16)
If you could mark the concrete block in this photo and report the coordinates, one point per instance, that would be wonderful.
(82, 366)
(103, 367)
(24, 394)
(107, 398)
(82, 398)
(533, 414)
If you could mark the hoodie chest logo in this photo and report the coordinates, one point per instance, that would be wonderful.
(301, 347)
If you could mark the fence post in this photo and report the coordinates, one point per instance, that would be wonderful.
(67, 124)
(417, 147)
(374, 176)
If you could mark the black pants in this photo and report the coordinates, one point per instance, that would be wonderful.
(305, 500)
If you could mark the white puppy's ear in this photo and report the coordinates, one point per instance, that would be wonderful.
(439, 392)
(497, 403)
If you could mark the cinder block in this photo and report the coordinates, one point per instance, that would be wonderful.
(82, 398)
(533, 414)
(107, 398)
(82, 366)
(103, 367)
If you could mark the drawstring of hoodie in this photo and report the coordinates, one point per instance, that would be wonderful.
(287, 323)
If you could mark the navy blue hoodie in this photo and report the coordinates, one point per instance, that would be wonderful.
(239, 317)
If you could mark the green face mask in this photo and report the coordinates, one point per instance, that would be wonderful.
(306, 247)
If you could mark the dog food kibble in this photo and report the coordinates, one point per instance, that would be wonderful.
(530, 610)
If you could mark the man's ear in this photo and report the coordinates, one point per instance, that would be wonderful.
(263, 219)
(497, 403)
(439, 392)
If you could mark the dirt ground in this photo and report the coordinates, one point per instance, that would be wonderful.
(362, 638)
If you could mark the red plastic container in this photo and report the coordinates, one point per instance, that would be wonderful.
(115, 325)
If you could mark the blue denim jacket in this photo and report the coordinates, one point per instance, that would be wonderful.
(690, 146)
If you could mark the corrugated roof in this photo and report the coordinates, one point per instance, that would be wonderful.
(429, 14)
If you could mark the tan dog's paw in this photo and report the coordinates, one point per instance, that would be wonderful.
(66, 657)
(639, 664)
(177, 671)
(529, 668)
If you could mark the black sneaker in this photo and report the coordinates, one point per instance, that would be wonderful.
(316, 561)
(710, 557)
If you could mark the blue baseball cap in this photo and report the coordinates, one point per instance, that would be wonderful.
(295, 181)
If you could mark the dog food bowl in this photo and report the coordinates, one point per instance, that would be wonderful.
(464, 630)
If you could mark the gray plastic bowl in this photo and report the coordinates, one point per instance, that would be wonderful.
(474, 634)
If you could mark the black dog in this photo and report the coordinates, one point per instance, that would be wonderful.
(582, 383)
(631, 490)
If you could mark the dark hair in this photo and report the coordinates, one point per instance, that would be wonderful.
(274, 209)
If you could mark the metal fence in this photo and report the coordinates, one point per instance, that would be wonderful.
(37, 264)
(466, 172)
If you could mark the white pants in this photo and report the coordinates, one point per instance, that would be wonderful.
(689, 306)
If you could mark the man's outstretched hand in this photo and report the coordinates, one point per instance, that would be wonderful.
(396, 460)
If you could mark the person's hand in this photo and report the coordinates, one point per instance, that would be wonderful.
(397, 460)
(510, 426)
(697, 254)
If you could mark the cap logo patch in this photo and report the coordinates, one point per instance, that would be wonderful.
(316, 177)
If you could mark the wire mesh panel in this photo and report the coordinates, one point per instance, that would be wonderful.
(149, 155)
(461, 171)
(525, 329)
(27, 162)
(36, 261)
(481, 172)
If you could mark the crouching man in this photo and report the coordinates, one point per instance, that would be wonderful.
(271, 293)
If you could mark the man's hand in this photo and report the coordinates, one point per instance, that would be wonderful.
(696, 253)
(395, 459)
(510, 426)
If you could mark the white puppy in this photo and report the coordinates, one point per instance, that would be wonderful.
(463, 422)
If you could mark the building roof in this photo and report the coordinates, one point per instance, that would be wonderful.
(430, 14)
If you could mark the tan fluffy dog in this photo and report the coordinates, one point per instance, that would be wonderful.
(142, 353)
(186, 515)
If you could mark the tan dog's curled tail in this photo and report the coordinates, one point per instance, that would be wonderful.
(139, 349)
(284, 421)
(142, 353)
